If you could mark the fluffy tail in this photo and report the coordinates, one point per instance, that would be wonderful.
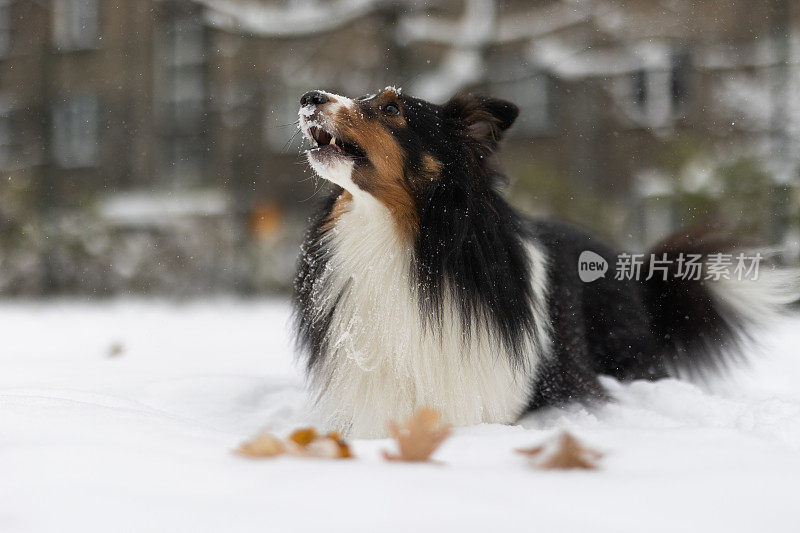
(706, 295)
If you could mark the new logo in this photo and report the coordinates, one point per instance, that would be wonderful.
(591, 266)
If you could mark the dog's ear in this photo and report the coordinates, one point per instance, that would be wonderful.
(486, 119)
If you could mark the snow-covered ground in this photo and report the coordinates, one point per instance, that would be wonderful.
(122, 416)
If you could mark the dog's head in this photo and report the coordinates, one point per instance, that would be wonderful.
(395, 148)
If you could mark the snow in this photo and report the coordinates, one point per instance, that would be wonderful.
(159, 208)
(122, 415)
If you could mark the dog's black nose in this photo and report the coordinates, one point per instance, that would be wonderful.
(314, 97)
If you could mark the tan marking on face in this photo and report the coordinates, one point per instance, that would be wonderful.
(384, 177)
(431, 167)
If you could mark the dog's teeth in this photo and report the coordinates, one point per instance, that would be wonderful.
(333, 140)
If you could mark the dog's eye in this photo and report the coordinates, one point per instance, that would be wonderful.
(391, 109)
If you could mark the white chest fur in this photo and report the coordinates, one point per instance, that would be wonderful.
(383, 361)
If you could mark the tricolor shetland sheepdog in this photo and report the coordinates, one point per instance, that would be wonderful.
(418, 284)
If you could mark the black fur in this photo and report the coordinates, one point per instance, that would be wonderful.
(314, 255)
(470, 240)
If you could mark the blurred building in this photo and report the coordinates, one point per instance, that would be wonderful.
(149, 145)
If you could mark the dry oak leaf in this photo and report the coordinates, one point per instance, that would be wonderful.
(309, 443)
(304, 442)
(562, 453)
(303, 436)
(264, 445)
(419, 437)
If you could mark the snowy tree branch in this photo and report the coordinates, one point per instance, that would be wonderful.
(265, 21)
(463, 63)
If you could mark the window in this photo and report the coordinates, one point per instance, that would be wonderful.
(75, 24)
(5, 27)
(680, 78)
(183, 43)
(658, 95)
(183, 91)
(184, 159)
(76, 131)
(639, 89)
(5, 139)
(182, 94)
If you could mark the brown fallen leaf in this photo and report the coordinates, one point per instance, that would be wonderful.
(419, 437)
(328, 447)
(115, 350)
(305, 442)
(303, 437)
(344, 448)
(310, 444)
(264, 445)
(562, 453)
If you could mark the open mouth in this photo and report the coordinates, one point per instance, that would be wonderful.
(324, 140)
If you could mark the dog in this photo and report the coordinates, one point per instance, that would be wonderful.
(419, 285)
